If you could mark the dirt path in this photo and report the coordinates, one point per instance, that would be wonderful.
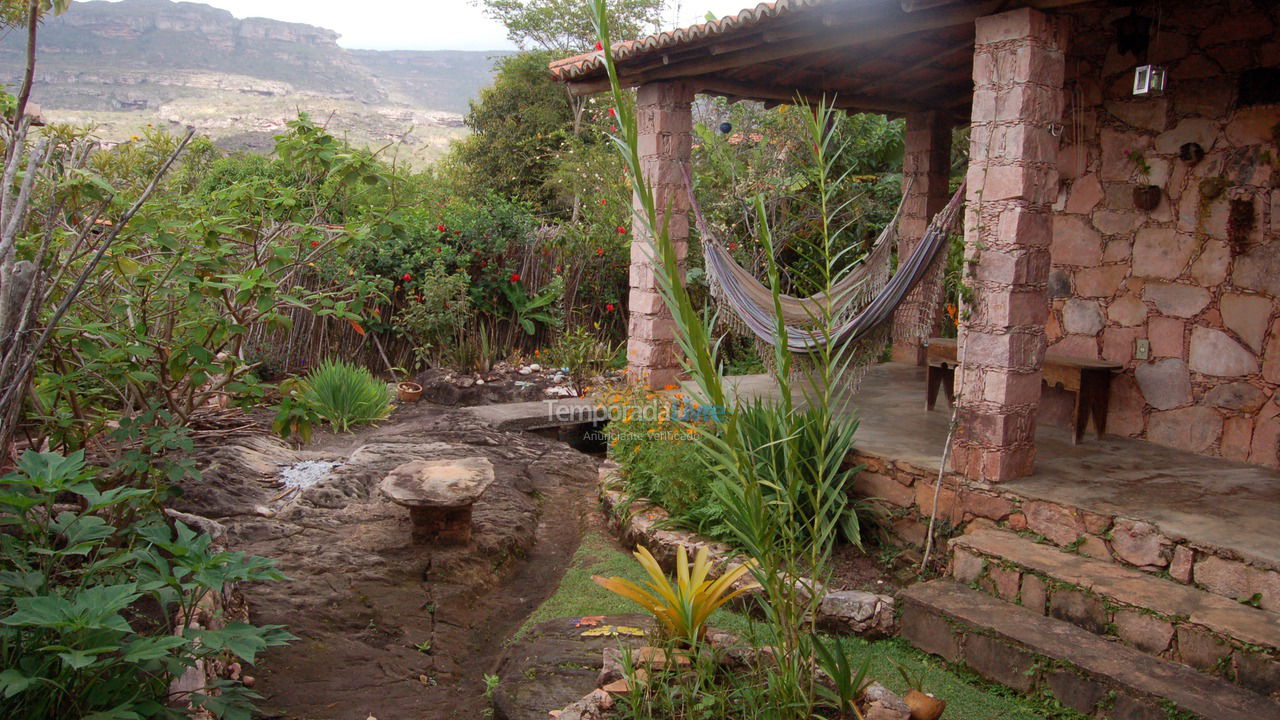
(386, 628)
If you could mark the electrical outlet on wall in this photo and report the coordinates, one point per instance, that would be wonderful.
(1142, 351)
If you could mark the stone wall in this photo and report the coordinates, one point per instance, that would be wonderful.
(907, 492)
(1201, 289)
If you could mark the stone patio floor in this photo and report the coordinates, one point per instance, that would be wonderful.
(1203, 500)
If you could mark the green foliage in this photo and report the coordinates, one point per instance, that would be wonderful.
(661, 460)
(798, 458)
(434, 317)
(532, 310)
(583, 353)
(160, 329)
(345, 394)
(564, 26)
(778, 464)
(517, 126)
(683, 606)
(847, 679)
(768, 154)
(96, 601)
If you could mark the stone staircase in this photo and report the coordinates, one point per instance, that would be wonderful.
(1105, 639)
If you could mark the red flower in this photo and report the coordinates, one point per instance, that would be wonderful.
(484, 263)
(439, 249)
(599, 45)
(733, 246)
(622, 230)
(599, 252)
(613, 128)
(441, 228)
(603, 201)
(608, 307)
(315, 244)
(559, 269)
(515, 277)
(406, 277)
(613, 113)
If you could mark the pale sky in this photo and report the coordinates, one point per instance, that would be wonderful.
(426, 24)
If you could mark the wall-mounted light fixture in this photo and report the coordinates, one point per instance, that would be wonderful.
(1149, 80)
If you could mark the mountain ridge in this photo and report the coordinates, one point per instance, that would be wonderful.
(119, 66)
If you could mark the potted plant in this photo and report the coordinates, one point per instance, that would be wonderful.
(408, 392)
(923, 706)
(1145, 195)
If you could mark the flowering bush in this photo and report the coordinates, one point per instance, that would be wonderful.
(650, 436)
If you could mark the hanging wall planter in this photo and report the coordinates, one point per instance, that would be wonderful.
(1146, 197)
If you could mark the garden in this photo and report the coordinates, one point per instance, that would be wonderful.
(210, 360)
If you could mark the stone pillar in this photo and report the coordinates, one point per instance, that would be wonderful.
(1012, 183)
(664, 115)
(926, 166)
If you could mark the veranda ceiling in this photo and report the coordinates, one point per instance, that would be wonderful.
(887, 56)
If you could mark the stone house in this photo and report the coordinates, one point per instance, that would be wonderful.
(1181, 290)
(1132, 576)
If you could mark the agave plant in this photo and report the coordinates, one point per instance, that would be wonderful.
(345, 394)
(682, 607)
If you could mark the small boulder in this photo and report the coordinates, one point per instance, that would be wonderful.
(857, 612)
(881, 703)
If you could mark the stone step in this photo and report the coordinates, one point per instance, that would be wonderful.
(1152, 614)
(1030, 652)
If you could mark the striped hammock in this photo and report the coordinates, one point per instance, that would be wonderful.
(861, 303)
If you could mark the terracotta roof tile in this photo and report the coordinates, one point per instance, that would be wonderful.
(592, 63)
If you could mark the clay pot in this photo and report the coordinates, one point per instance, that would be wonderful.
(408, 392)
(924, 707)
(1146, 197)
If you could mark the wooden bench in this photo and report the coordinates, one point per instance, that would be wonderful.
(1090, 380)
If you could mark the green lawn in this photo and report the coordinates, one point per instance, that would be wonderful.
(968, 697)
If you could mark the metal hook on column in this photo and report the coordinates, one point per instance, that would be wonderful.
(1055, 129)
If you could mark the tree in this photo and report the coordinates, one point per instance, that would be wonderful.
(518, 127)
(564, 26)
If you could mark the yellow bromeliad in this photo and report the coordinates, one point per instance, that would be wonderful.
(681, 609)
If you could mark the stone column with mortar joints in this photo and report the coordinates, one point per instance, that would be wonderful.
(926, 167)
(665, 118)
(1018, 71)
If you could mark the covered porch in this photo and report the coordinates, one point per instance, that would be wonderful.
(997, 66)
(1131, 229)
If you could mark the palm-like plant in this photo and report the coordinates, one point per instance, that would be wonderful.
(682, 608)
(345, 394)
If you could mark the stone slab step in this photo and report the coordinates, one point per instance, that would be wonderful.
(1147, 612)
(1029, 652)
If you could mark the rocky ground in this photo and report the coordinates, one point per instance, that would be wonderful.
(387, 628)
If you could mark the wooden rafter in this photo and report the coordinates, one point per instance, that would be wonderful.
(833, 96)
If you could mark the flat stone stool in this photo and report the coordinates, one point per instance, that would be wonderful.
(439, 495)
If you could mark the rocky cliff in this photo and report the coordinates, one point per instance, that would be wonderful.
(121, 65)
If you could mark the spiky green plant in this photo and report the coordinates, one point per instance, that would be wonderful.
(684, 606)
(345, 394)
(779, 463)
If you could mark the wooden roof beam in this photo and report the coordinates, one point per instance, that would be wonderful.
(833, 96)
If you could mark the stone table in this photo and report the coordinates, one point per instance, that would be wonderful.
(439, 495)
